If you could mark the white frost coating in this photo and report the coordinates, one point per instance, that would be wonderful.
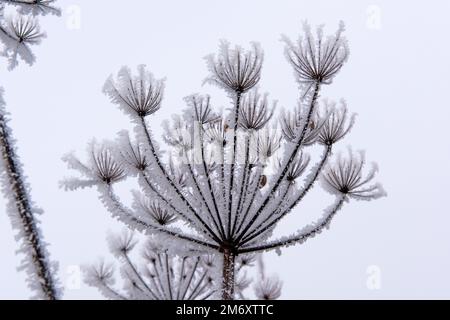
(101, 276)
(219, 183)
(235, 70)
(315, 58)
(18, 33)
(345, 176)
(137, 96)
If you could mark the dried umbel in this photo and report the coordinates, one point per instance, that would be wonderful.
(140, 95)
(158, 213)
(20, 32)
(235, 177)
(235, 70)
(316, 59)
(336, 125)
(255, 113)
(266, 287)
(345, 176)
(102, 168)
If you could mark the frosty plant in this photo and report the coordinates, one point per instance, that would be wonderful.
(17, 34)
(162, 275)
(231, 178)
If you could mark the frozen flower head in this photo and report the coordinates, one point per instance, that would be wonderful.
(345, 177)
(139, 95)
(297, 167)
(106, 167)
(268, 288)
(26, 30)
(200, 110)
(121, 244)
(235, 70)
(18, 34)
(267, 143)
(293, 121)
(242, 282)
(337, 124)
(132, 153)
(209, 261)
(246, 260)
(36, 7)
(178, 134)
(157, 213)
(99, 274)
(216, 133)
(255, 112)
(102, 168)
(317, 59)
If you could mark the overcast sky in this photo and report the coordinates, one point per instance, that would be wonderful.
(396, 80)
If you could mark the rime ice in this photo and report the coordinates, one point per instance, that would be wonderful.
(229, 178)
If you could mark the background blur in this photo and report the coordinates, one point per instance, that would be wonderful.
(396, 80)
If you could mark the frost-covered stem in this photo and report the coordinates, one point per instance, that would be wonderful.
(213, 197)
(113, 204)
(160, 279)
(18, 190)
(261, 229)
(252, 198)
(196, 291)
(169, 284)
(244, 181)
(291, 159)
(171, 183)
(233, 163)
(200, 192)
(228, 279)
(222, 172)
(180, 280)
(325, 222)
(137, 274)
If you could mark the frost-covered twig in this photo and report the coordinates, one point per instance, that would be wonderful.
(17, 35)
(23, 214)
(231, 178)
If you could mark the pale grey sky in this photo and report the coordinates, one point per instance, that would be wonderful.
(396, 80)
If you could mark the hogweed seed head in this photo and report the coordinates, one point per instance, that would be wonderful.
(106, 167)
(315, 59)
(122, 244)
(337, 124)
(26, 30)
(254, 111)
(235, 70)
(201, 110)
(139, 94)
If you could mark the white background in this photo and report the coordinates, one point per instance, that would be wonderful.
(396, 80)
